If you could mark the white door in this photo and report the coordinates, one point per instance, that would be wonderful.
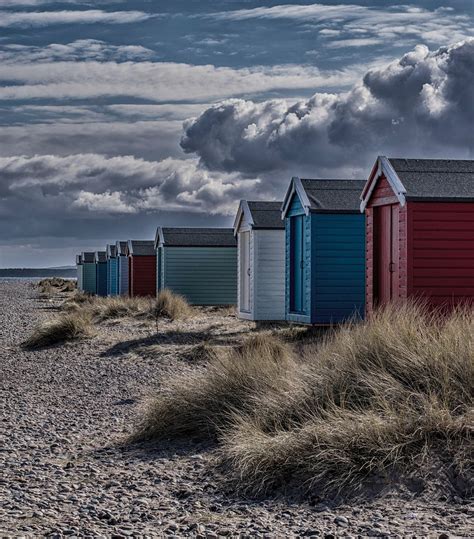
(244, 245)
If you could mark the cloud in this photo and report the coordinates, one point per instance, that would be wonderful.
(160, 81)
(23, 19)
(418, 106)
(56, 189)
(87, 131)
(82, 49)
(435, 26)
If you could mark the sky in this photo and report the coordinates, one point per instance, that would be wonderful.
(120, 116)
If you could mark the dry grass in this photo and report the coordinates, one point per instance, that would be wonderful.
(371, 400)
(67, 327)
(56, 284)
(170, 305)
(201, 402)
(202, 353)
(167, 305)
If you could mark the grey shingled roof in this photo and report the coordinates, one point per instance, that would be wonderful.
(101, 256)
(198, 237)
(334, 195)
(143, 247)
(434, 179)
(88, 258)
(266, 214)
(121, 248)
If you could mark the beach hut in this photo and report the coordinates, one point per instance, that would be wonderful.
(260, 233)
(325, 251)
(101, 273)
(419, 231)
(141, 268)
(111, 253)
(79, 269)
(89, 277)
(198, 263)
(122, 268)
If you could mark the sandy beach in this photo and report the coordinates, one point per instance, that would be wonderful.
(67, 471)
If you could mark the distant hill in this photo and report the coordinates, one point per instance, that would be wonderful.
(64, 271)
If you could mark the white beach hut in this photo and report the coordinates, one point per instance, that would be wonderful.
(260, 234)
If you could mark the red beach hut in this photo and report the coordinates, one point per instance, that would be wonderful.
(419, 231)
(141, 267)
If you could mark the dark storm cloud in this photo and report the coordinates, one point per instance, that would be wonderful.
(420, 105)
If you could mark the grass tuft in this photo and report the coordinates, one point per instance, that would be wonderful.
(67, 327)
(201, 402)
(170, 305)
(385, 398)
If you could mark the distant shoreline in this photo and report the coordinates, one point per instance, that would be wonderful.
(22, 273)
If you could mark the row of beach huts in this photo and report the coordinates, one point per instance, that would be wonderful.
(332, 250)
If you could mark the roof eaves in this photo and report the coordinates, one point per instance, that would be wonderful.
(383, 167)
(295, 187)
(244, 209)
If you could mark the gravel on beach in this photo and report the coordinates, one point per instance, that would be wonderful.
(66, 471)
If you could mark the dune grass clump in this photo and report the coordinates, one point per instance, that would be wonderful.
(56, 284)
(201, 402)
(167, 305)
(373, 400)
(67, 327)
(119, 307)
(389, 398)
(170, 305)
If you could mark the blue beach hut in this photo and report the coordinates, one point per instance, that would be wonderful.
(111, 254)
(122, 268)
(101, 273)
(89, 273)
(325, 251)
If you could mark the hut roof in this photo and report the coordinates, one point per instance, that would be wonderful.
(423, 179)
(195, 237)
(141, 247)
(260, 215)
(111, 251)
(100, 256)
(88, 257)
(325, 195)
(121, 248)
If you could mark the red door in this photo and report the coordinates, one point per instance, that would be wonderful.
(387, 253)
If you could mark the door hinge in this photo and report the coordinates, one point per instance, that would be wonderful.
(391, 267)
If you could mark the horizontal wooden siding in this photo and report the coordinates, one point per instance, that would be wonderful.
(338, 269)
(203, 275)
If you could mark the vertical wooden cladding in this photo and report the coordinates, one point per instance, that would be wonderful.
(142, 275)
(386, 247)
(442, 243)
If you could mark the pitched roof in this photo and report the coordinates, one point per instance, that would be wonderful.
(141, 247)
(88, 257)
(100, 257)
(423, 179)
(431, 179)
(195, 237)
(111, 251)
(121, 248)
(325, 196)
